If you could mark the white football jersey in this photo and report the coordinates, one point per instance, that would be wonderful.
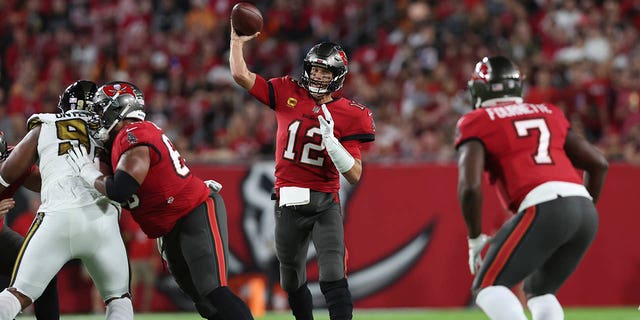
(62, 188)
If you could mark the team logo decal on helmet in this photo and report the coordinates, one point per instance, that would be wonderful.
(116, 101)
(494, 77)
(78, 96)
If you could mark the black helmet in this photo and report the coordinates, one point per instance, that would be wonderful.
(329, 56)
(494, 77)
(77, 96)
(116, 101)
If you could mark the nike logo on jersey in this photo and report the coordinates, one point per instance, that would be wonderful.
(131, 129)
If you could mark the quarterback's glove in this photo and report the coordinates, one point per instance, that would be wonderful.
(341, 158)
(83, 165)
(475, 248)
(215, 186)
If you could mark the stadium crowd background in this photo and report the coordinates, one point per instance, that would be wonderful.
(409, 62)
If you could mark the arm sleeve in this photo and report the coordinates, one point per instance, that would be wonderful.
(121, 186)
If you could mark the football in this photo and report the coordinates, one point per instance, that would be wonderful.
(246, 18)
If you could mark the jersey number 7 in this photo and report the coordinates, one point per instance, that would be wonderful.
(523, 130)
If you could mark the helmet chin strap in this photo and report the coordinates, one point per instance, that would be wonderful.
(478, 103)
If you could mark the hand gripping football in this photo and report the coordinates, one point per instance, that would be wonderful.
(246, 18)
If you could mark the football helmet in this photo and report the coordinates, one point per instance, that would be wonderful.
(4, 149)
(78, 96)
(329, 56)
(114, 102)
(494, 77)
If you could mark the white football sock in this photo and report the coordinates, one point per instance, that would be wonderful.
(545, 307)
(9, 305)
(499, 303)
(120, 309)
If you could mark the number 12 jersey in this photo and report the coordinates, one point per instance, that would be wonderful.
(301, 161)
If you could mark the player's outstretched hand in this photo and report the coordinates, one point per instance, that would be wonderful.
(475, 248)
(236, 37)
(215, 186)
(83, 165)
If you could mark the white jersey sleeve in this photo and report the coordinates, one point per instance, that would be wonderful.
(61, 187)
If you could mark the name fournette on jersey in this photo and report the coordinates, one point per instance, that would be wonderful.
(515, 110)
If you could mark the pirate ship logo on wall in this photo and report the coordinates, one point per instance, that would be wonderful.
(258, 223)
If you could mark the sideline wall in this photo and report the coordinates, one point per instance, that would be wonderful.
(407, 240)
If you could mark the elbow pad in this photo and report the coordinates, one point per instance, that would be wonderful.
(121, 186)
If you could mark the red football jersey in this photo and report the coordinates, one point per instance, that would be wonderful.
(524, 143)
(11, 190)
(169, 191)
(300, 159)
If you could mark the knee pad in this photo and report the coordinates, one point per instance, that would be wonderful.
(290, 280)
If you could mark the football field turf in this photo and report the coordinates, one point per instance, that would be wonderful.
(619, 313)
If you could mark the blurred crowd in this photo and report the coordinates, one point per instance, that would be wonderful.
(409, 62)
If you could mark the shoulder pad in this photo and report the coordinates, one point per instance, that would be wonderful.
(34, 121)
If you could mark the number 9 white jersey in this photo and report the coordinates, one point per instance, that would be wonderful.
(61, 187)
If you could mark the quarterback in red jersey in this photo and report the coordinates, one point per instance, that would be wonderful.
(167, 201)
(319, 137)
(531, 155)
(46, 306)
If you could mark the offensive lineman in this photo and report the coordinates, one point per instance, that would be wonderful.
(164, 198)
(319, 137)
(530, 152)
(73, 221)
